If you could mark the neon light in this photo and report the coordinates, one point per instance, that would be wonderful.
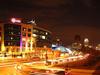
(13, 20)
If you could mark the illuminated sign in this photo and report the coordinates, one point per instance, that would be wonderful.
(14, 20)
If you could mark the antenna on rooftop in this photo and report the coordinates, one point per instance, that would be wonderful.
(32, 22)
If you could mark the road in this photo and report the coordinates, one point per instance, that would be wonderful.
(7, 67)
(81, 72)
(72, 71)
(10, 70)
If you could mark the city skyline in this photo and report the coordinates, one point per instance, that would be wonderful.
(64, 19)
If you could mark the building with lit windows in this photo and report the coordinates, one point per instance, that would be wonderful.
(43, 36)
(77, 45)
(43, 41)
(86, 42)
(18, 39)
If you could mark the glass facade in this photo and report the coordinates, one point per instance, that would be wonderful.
(17, 38)
(42, 36)
(12, 34)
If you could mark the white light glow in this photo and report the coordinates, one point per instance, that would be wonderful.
(69, 50)
(13, 20)
(53, 45)
(23, 39)
(46, 33)
(86, 40)
(43, 37)
(34, 35)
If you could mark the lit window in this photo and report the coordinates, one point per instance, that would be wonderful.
(8, 43)
(35, 30)
(24, 29)
(46, 33)
(41, 32)
(23, 39)
(19, 33)
(11, 38)
(43, 37)
(34, 35)
(12, 33)
(24, 34)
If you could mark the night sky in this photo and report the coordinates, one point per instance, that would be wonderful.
(64, 18)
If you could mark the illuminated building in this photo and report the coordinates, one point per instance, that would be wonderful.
(43, 39)
(43, 36)
(86, 42)
(98, 47)
(18, 39)
(77, 43)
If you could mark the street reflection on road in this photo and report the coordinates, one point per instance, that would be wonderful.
(10, 70)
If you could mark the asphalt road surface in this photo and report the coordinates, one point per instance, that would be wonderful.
(10, 70)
